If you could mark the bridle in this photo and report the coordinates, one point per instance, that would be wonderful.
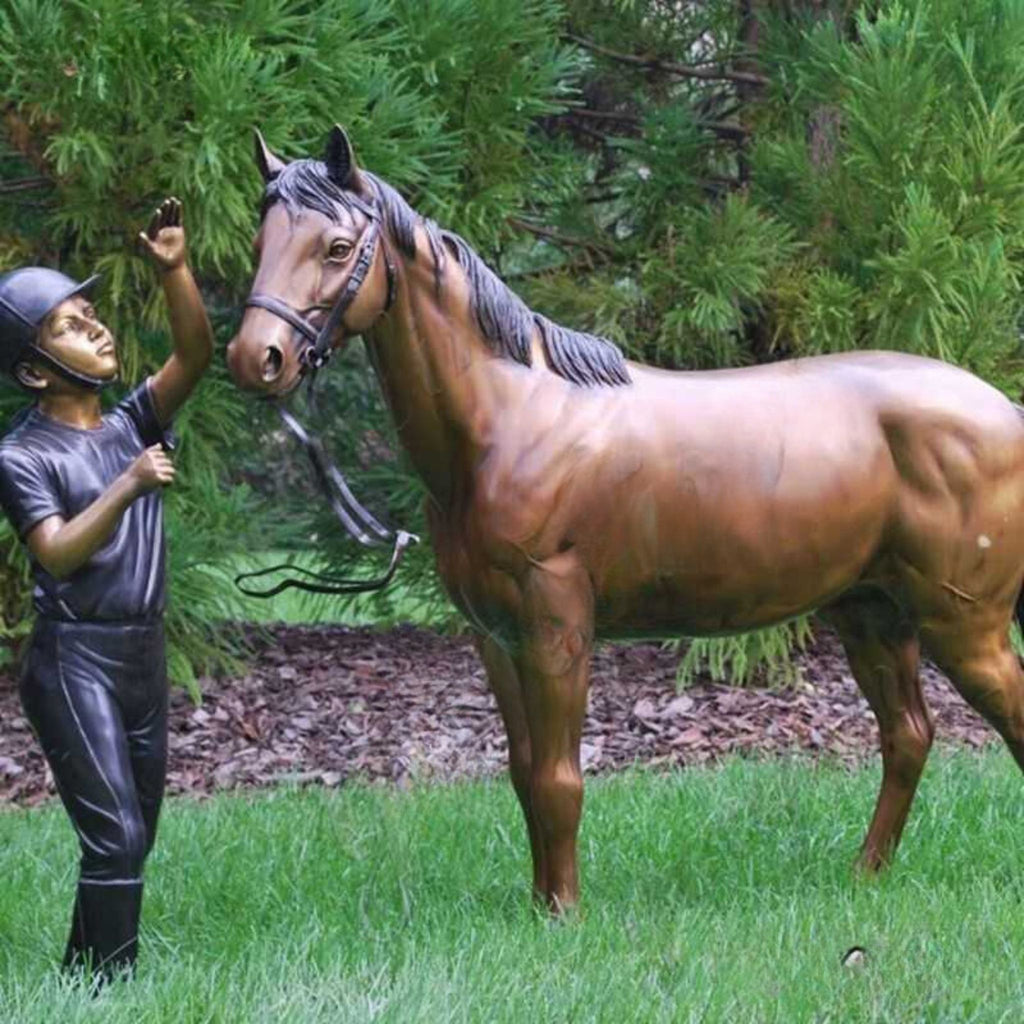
(357, 521)
(318, 350)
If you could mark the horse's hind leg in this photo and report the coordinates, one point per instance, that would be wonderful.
(503, 679)
(884, 653)
(975, 653)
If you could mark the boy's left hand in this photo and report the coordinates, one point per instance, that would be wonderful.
(164, 239)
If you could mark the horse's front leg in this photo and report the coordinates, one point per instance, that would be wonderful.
(503, 678)
(557, 628)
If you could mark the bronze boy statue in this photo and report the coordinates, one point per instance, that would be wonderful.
(82, 488)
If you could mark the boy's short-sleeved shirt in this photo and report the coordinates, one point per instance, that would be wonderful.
(50, 468)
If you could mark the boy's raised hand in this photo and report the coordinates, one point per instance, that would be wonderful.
(164, 239)
(191, 333)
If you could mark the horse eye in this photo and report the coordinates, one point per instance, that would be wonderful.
(339, 249)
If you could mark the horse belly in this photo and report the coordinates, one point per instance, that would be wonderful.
(745, 540)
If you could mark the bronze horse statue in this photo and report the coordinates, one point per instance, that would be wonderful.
(575, 495)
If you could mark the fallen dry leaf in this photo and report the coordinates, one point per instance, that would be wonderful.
(322, 704)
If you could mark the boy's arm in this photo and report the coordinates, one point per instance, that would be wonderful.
(61, 546)
(164, 239)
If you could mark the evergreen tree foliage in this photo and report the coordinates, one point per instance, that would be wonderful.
(740, 182)
(111, 105)
(861, 190)
(709, 184)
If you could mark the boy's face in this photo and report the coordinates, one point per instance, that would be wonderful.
(74, 335)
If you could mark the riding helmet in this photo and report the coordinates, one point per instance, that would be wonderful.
(27, 295)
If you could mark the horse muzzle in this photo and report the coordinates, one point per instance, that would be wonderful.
(259, 362)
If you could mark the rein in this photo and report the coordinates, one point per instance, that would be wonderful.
(358, 522)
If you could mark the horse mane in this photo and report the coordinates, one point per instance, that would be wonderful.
(505, 321)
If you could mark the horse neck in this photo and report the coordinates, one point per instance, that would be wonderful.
(440, 380)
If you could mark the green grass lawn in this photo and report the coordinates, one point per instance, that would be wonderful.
(709, 895)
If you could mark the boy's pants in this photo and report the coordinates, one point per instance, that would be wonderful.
(96, 696)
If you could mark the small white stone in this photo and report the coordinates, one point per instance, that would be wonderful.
(984, 541)
(855, 956)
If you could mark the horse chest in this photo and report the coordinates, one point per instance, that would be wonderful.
(482, 590)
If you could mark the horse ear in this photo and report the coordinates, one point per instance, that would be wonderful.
(270, 166)
(341, 160)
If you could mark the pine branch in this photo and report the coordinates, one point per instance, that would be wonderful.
(724, 129)
(551, 235)
(598, 136)
(670, 67)
(24, 185)
(602, 115)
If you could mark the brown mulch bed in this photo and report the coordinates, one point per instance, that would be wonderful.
(325, 704)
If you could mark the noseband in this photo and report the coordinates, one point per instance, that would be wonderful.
(318, 348)
(357, 521)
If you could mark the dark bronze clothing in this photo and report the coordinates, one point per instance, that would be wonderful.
(50, 468)
(96, 695)
(94, 682)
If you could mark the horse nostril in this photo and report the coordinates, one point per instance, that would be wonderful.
(273, 361)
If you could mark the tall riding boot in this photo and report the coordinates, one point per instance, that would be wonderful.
(105, 929)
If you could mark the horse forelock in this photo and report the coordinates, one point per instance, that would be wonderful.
(306, 185)
(505, 321)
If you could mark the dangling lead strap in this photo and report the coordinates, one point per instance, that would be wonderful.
(325, 584)
(358, 522)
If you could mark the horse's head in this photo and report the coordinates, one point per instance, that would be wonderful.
(323, 271)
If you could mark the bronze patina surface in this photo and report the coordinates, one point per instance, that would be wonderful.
(81, 487)
(574, 495)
